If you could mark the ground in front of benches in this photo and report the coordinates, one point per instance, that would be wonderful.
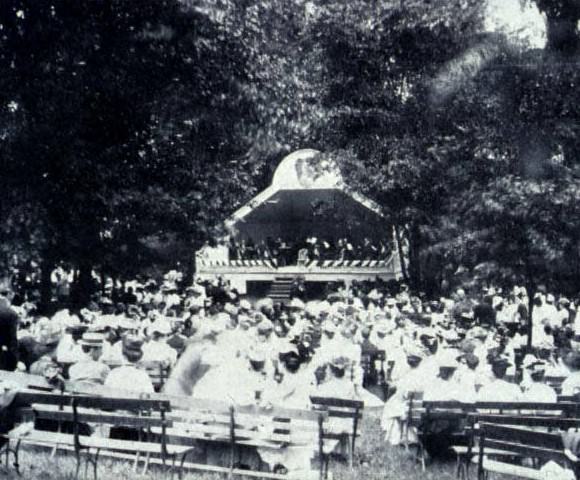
(374, 461)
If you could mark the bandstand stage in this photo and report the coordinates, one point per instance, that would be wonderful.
(307, 198)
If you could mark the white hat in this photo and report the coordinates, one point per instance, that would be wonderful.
(288, 347)
(324, 307)
(550, 298)
(413, 350)
(374, 294)
(447, 359)
(312, 309)
(256, 355)
(244, 320)
(297, 304)
(382, 327)
(245, 305)
(537, 366)
(265, 326)
(328, 326)
(528, 360)
(264, 303)
(162, 326)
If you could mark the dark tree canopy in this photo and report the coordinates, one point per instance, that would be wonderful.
(129, 125)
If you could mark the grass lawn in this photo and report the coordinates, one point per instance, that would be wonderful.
(374, 461)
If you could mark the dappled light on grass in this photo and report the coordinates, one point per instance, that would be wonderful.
(374, 460)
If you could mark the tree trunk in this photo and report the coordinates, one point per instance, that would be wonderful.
(563, 35)
(402, 259)
(562, 19)
(415, 258)
(83, 288)
(46, 269)
(531, 292)
(103, 281)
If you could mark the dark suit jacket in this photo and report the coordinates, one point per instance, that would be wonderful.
(8, 339)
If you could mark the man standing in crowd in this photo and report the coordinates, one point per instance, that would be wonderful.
(8, 333)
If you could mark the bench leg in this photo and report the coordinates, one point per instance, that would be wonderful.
(463, 462)
(172, 468)
(183, 457)
(405, 433)
(95, 462)
(459, 468)
(15, 452)
(78, 467)
(136, 462)
(350, 452)
(146, 463)
(87, 463)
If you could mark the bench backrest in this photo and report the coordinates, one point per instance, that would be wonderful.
(26, 380)
(28, 397)
(221, 418)
(516, 406)
(529, 421)
(468, 415)
(339, 408)
(415, 408)
(522, 441)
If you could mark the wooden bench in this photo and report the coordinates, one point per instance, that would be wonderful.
(523, 414)
(26, 380)
(414, 415)
(518, 442)
(141, 415)
(237, 428)
(465, 416)
(344, 416)
(188, 421)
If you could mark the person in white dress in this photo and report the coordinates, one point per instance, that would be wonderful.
(129, 376)
(499, 390)
(536, 390)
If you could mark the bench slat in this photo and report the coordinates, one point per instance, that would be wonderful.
(29, 397)
(493, 431)
(337, 402)
(529, 421)
(92, 416)
(57, 438)
(527, 450)
(510, 469)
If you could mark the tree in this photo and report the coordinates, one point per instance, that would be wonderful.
(89, 80)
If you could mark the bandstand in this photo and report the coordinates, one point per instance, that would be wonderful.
(308, 198)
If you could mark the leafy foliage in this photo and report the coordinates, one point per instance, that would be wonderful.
(127, 125)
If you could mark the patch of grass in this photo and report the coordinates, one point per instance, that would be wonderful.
(374, 460)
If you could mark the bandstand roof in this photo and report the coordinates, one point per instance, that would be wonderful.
(308, 197)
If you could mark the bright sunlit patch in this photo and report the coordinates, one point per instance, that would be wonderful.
(521, 21)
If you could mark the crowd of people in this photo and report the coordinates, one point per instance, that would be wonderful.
(218, 345)
(291, 252)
